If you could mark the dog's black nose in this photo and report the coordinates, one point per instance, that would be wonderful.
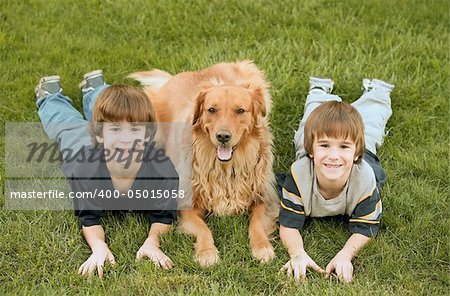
(223, 136)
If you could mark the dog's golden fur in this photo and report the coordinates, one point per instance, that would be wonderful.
(231, 158)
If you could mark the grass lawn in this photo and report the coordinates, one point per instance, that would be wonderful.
(403, 42)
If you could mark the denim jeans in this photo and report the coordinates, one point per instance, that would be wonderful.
(63, 123)
(374, 107)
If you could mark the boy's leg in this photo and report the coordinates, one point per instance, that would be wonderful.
(92, 85)
(375, 109)
(319, 92)
(61, 121)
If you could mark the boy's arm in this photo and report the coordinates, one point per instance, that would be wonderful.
(156, 229)
(300, 260)
(342, 262)
(150, 247)
(160, 222)
(95, 237)
(89, 214)
(364, 224)
(292, 218)
(355, 242)
(292, 240)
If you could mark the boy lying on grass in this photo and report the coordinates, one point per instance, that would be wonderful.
(336, 172)
(112, 164)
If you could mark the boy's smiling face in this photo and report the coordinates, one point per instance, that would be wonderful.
(123, 138)
(333, 160)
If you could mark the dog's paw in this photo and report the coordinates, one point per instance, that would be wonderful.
(263, 253)
(207, 257)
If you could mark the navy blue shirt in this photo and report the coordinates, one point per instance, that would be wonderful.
(88, 174)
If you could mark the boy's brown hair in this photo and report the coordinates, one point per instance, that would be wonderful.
(335, 120)
(118, 103)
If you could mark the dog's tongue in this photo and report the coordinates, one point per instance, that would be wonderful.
(224, 153)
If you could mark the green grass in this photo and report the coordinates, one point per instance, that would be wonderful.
(404, 42)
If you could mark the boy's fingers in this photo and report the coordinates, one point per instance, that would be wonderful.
(100, 270)
(111, 258)
(344, 274)
(347, 278)
(168, 264)
(91, 269)
(285, 267)
(85, 269)
(301, 273)
(296, 270)
(328, 270)
(154, 259)
(80, 269)
(163, 262)
(139, 255)
(156, 262)
(317, 267)
(348, 274)
(340, 273)
(171, 265)
(165, 265)
(289, 270)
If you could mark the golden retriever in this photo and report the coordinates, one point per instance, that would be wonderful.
(230, 157)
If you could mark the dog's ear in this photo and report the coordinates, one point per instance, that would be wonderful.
(259, 105)
(199, 101)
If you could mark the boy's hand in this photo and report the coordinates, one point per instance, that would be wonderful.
(342, 265)
(150, 250)
(97, 260)
(299, 264)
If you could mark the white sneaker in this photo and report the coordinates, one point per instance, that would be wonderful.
(48, 85)
(91, 81)
(373, 84)
(320, 85)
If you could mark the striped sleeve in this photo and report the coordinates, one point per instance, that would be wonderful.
(366, 216)
(292, 214)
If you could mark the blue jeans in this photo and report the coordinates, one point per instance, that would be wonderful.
(374, 107)
(65, 124)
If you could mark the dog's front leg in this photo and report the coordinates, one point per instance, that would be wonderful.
(192, 223)
(259, 240)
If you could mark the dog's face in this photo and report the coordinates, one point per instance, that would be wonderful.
(227, 114)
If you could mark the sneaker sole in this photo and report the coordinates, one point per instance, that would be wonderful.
(92, 74)
(325, 84)
(49, 79)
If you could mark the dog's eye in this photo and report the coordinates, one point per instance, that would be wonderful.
(212, 110)
(240, 111)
